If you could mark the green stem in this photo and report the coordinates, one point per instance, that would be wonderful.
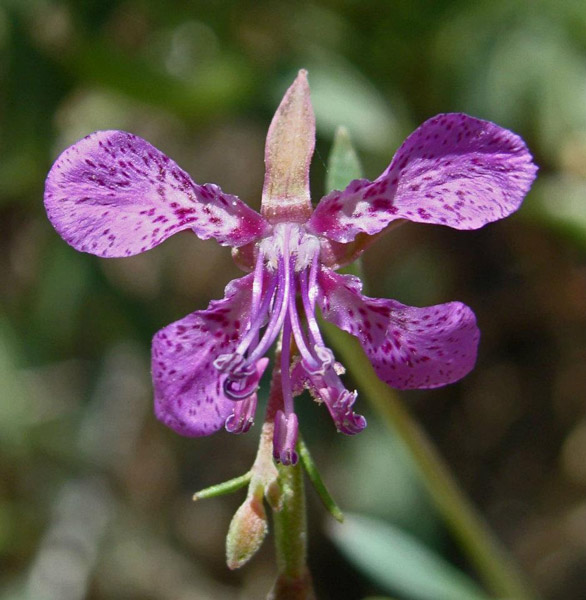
(494, 564)
(290, 525)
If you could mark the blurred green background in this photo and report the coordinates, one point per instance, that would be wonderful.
(95, 494)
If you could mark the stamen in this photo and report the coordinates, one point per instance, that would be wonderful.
(239, 387)
(234, 362)
(286, 366)
(313, 288)
(257, 282)
(227, 363)
(280, 310)
(285, 438)
(339, 402)
(325, 355)
(310, 362)
(308, 297)
(242, 417)
(259, 318)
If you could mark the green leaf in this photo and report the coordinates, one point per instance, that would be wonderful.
(226, 487)
(399, 563)
(344, 166)
(317, 482)
(343, 162)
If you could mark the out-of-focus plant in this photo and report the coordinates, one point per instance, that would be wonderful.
(513, 431)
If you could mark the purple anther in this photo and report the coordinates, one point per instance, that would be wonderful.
(345, 419)
(323, 360)
(238, 388)
(242, 417)
(285, 438)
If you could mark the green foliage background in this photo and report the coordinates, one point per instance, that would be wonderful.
(95, 493)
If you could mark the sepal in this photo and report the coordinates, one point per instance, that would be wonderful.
(289, 148)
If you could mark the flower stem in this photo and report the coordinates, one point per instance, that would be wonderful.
(290, 525)
(493, 562)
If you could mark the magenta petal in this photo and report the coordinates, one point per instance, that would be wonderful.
(113, 194)
(189, 395)
(453, 170)
(410, 348)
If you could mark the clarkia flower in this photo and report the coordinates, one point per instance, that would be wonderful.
(113, 194)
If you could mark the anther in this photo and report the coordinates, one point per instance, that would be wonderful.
(285, 438)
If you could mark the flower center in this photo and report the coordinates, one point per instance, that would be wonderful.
(284, 295)
(291, 239)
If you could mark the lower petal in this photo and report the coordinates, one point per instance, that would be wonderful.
(189, 394)
(410, 348)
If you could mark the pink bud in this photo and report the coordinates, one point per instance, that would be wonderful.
(247, 531)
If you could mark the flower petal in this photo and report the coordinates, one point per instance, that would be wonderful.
(189, 395)
(410, 348)
(114, 194)
(453, 170)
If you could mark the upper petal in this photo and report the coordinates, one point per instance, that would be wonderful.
(453, 170)
(114, 194)
(189, 394)
(410, 348)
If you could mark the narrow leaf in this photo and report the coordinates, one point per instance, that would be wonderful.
(226, 487)
(317, 482)
(400, 563)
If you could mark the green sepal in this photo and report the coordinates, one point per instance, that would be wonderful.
(226, 487)
(317, 482)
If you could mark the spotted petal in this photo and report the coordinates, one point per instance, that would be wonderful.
(189, 395)
(113, 194)
(410, 348)
(453, 170)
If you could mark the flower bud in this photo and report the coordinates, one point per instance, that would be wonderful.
(247, 531)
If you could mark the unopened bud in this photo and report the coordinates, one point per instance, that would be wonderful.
(247, 531)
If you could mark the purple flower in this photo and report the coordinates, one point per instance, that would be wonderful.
(113, 194)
